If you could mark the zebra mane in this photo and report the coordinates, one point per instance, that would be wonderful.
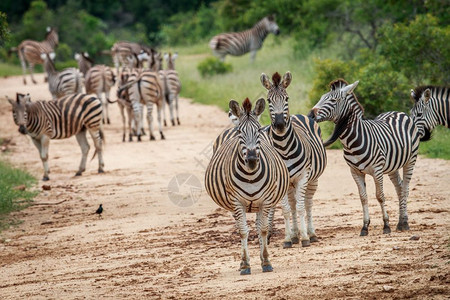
(418, 91)
(276, 79)
(247, 105)
(340, 83)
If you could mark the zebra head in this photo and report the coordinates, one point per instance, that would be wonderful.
(271, 25)
(19, 110)
(249, 130)
(333, 106)
(422, 114)
(278, 100)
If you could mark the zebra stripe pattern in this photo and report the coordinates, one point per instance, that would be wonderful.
(240, 43)
(246, 174)
(63, 83)
(125, 105)
(172, 86)
(298, 140)
(433, 102)
(30, 51)
(374, 147)
(60, 119)
(122, 50)
(100, 79)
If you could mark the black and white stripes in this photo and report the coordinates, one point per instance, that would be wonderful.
(240, 43)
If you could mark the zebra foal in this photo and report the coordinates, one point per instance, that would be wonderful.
(59, 119)
(240, 43)
(245, 174)
(384, 145)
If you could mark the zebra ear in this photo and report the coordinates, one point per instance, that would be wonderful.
(426, 95)
(48, 29)
(266, 81)
(259, 107)
(287, 78)
(413, 94)
(174, 56)
(235, 109)
(86, 54)
(52, 55)
(11, 101)
(77, 56)
(43, 56)
(350, 88)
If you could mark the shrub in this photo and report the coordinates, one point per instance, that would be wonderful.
(212, 66)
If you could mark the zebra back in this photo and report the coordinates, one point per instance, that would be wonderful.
(99, 79)
(30, 50)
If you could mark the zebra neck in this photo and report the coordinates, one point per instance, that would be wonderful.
(260, 30)
(51, 40)
(36, 119)
(50, 68)
(287, 142)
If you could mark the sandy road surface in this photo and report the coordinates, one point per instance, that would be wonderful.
(146, 246)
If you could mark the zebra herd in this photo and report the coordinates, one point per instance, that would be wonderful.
(245, 173)
(142, 82)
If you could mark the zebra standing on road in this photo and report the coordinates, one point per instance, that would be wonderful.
(68, 81)
(30, 51)
(374, 147)
(298, 140)
(125, 105)
(240, 43)
(246, 174)
(121, 50)
(60, 119)
(172, 86)
(434, 102)
(84, 62)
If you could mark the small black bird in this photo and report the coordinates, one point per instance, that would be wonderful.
(99, 210)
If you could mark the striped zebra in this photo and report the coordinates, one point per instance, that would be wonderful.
(172, 86)
(59, 119)
(373, 147)
(240, 43)
(434, 103)
(84, 62)
(145, 88)
(68, 81)
(298, 140)
(125, 105)
(246, 174)
(30, 52)
(121, 50)
(100, 79)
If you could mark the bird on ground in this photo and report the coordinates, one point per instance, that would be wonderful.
(99, 210)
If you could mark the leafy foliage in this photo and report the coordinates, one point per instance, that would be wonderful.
(212, 66)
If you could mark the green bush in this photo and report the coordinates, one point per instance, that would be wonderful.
(212, 66)
(60, 65)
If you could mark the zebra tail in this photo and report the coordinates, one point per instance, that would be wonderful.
(102, 138)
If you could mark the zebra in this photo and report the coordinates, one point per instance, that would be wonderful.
(29, 51)
(100, 79)
(240, 43)
(84, 62)
(371, 147)
(68, 81)
(145, 87)
(59, 119)
(434, 103)
(172, 86)
(298, 140)
(121, 50)
(124, 102)
(246, 174)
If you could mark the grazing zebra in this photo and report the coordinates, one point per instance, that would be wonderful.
(145, 87)
(374, 147)
(30, 52)
(246, 174)
(172, 86)
(60, 119)
(121, 50)
(84, 62)
(100, 79)
(298, 140)
(434, 102)
(68, 81)
(239, 43)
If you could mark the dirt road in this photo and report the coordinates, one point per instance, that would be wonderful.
(161, 236)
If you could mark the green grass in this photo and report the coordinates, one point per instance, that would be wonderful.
(9, 69)
(11, 198)
(438, 146)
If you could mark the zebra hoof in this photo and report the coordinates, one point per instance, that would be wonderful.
(130, 138)
(45, 178)
(24, 82)
(165, 123)
(107, 121)
(386, 230)
(173, 122)
(101, 171)
(295, 240)
(287, 245)
(306, 243)
(178, 121)
(139, 138)
(245, 271)
(267, 268)
(364, 232)
(313, 239)
(78, 173)
(403, 226)
(152, 138)
(162, 136)
(123, 138)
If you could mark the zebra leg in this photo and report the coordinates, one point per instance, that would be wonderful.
(130, 121)
(293, 211)
(241, 223)
(176, 108)
(137, 111)
(361, 183)
(397, 181)
(160, 107)
(270, 217)
(97, 137)
(124, 123)
(300, 202)
(403, 211)
(310, 191)
(42, 145)
(164, 113)
(106, 107)
(84, 145)
(262, 225)
(31, 66)
(171, 102)
(142, 119)
(287, 226)
(378, 176)
(24, 69)
(150, 120)
(253, 56)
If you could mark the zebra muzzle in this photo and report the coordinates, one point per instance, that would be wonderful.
(23, 129)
